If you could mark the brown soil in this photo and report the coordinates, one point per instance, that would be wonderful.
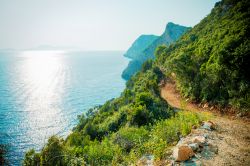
(232, 135)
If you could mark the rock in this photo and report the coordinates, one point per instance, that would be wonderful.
(180, 142)
(205, 135)
(205, 105)
(208, 125)
(194, 146)
(206, 153)
(182, 153)
(198, 155)
(211, 108)
(184, 141)
(213, 126)
(200, 140)
(239, 115)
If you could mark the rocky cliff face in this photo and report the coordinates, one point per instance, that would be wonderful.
(139, 45)
(172, 33)
(144, 47)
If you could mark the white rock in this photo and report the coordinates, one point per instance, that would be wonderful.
(208, 125)
(194, 146)
(205, 105)
(200, 140)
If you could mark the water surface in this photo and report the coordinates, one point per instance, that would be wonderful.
(42, 92)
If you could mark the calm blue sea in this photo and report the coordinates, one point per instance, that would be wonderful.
(42, 92)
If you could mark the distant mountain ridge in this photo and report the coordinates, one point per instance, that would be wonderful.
(139, 45)
(144, 47)
(172, 33)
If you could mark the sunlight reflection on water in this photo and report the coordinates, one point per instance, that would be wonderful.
(44, 77)
(42, 92)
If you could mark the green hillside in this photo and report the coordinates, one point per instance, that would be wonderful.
(144, 47)
(211, 61)
(139, 45)
(210, 64)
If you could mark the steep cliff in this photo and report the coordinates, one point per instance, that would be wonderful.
(143, 48)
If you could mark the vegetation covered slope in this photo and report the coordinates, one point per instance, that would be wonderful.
(210, 63)
(171, 34)
(138, 55)
(134, 52)
(140, 44)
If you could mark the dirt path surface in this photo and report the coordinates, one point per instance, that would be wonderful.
(232, 135)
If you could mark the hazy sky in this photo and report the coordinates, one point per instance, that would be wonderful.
(92, 24)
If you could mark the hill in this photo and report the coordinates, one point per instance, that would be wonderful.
(140, 44)
(139, 52)
(210, 62)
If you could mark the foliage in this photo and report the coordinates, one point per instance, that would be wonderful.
(167, 132)
(125, 146)
(211, 60)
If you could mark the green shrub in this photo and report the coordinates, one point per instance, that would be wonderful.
(167, 132)
(130, 137)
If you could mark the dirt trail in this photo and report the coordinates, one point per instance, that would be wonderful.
(232, 135)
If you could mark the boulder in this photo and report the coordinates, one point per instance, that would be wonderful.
(200, 140)
(182, 153)
(208, 125)
(194, 146)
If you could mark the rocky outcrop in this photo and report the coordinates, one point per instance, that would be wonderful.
(144, 47)
(171, 34)
(191, 150)
(200, 140)
(197, 145)
(139, 45)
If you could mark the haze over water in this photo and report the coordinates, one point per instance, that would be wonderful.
(42, 92)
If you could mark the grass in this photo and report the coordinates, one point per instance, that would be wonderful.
(166, 132)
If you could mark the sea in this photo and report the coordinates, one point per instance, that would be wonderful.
(43, 91)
